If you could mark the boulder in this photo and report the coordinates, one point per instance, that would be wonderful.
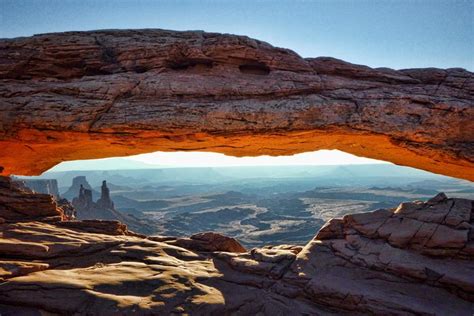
(210, 241)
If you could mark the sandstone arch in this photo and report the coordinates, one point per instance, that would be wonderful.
(80, 95)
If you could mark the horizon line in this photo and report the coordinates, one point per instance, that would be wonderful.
(233, 166)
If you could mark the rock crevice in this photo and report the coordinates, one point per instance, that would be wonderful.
(415, 259)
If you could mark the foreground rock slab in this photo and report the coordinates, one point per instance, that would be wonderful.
(88, 273)
(416, 259)
(78, 95)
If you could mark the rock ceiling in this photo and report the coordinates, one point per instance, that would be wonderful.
(80, 95)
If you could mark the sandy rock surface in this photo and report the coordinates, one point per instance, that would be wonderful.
(413, 259)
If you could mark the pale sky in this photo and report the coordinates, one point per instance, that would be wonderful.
(206, 159)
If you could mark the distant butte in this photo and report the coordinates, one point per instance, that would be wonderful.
(78, 95)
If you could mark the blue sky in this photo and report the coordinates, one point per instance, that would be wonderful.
(396, 34)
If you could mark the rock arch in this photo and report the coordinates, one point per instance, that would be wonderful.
(80, 95)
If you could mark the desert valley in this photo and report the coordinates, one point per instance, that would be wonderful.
(257, 205)
(392, 238)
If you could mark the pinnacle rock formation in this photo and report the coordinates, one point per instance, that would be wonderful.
(415, 259)
(83, 203)
(103, 208)
(105, 201)
(77, 95)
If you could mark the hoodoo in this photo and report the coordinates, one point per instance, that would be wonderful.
(77, 95)
(105, 201)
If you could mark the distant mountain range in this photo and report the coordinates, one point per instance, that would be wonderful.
(376, 174)
(257, 205)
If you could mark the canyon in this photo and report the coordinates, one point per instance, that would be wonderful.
(413, 259)
(82, 95)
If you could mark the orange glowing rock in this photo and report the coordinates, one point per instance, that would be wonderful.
(80, 95)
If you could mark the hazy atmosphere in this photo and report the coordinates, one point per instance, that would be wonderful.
(165, 223)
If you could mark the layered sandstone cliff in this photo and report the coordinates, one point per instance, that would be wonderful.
(45, 186)
(18, 203)
(415, 259)
(79, 95)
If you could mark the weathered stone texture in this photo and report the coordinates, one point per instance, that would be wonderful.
(18, 203)
(96, 94)
(388, 262)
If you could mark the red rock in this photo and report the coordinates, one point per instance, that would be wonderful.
(99, 226)
(210, 241)
(10, 269)
(333, 229)
(367, 223)
(347, 271)
(445, 237)
(410, 264)
(124, 92)
(96, 94)
(401, 234)
(20, 204)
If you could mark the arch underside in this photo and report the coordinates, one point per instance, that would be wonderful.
(83, 95)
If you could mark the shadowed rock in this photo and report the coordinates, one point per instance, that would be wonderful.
(413, 259)
(208, 241)
(18, 203)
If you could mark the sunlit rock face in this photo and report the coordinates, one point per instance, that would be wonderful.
(416, 259)
(97, 94)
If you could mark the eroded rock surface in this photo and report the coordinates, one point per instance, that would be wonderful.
(414, 259)
(208, 241)
(18, 203)
(77, 95)
(45, 186)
